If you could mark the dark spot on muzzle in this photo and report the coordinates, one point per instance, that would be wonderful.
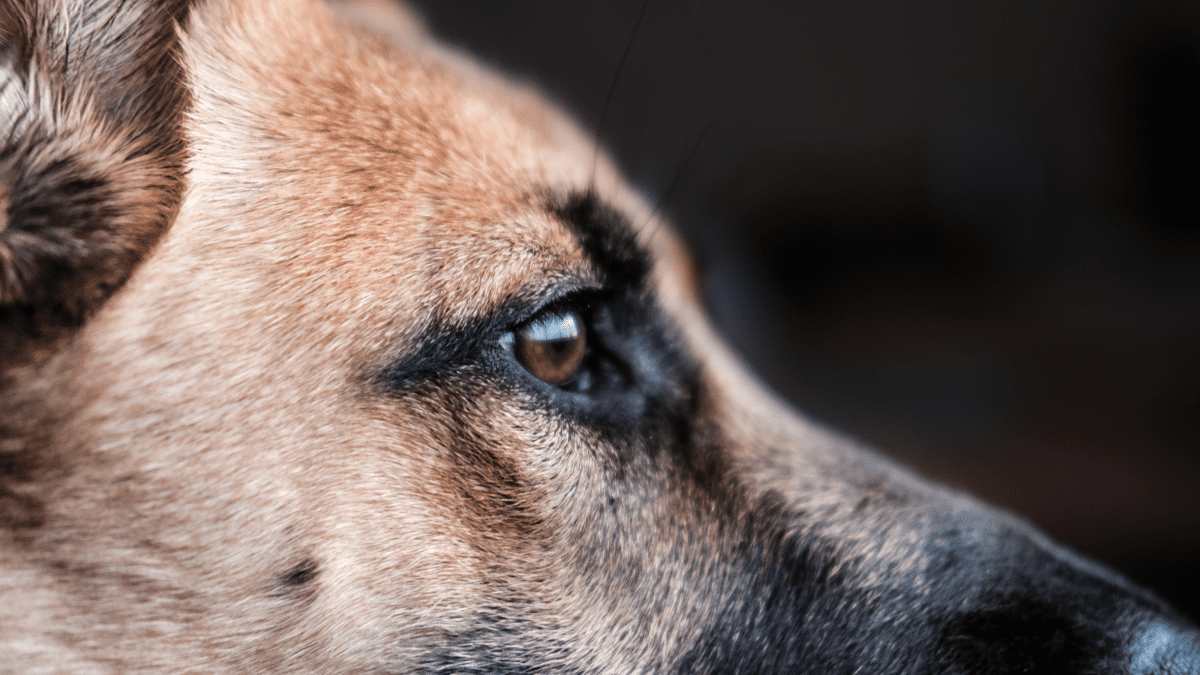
(303, 573)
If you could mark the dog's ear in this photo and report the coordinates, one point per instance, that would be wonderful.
(92, 94)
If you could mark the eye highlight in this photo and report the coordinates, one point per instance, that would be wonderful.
(551, 346)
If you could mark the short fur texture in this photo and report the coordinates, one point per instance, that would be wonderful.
(257, 258)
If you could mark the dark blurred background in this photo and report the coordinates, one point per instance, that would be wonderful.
(965, 232)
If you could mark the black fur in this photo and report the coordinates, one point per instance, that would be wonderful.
(606, 236)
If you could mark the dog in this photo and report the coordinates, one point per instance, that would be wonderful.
(328, 350)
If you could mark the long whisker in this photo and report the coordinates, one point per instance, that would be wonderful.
(612, 90)
(687, 160)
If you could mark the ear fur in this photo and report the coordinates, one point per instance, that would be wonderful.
(91, 157)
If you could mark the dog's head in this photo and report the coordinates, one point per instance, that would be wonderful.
(331, 352)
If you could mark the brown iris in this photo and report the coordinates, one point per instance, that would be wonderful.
(551, 346)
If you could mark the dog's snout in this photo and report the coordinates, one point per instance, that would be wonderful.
(969, 589)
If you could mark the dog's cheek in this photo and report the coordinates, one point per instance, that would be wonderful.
(433, 507)
(531, 504)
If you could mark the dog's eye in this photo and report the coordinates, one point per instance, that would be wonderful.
(551, 346)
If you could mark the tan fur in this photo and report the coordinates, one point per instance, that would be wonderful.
(219, 424)
(256, 336)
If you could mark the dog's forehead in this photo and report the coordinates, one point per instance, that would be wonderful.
(393, 166)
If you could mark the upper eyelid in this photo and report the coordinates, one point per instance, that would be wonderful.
(561, 298)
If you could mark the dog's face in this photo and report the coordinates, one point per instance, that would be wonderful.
(330, 352)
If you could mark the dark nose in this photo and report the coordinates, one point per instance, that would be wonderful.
(1160, 648)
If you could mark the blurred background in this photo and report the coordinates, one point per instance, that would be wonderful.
(965, 232)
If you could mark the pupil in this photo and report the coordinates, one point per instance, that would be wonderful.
(559, 347)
